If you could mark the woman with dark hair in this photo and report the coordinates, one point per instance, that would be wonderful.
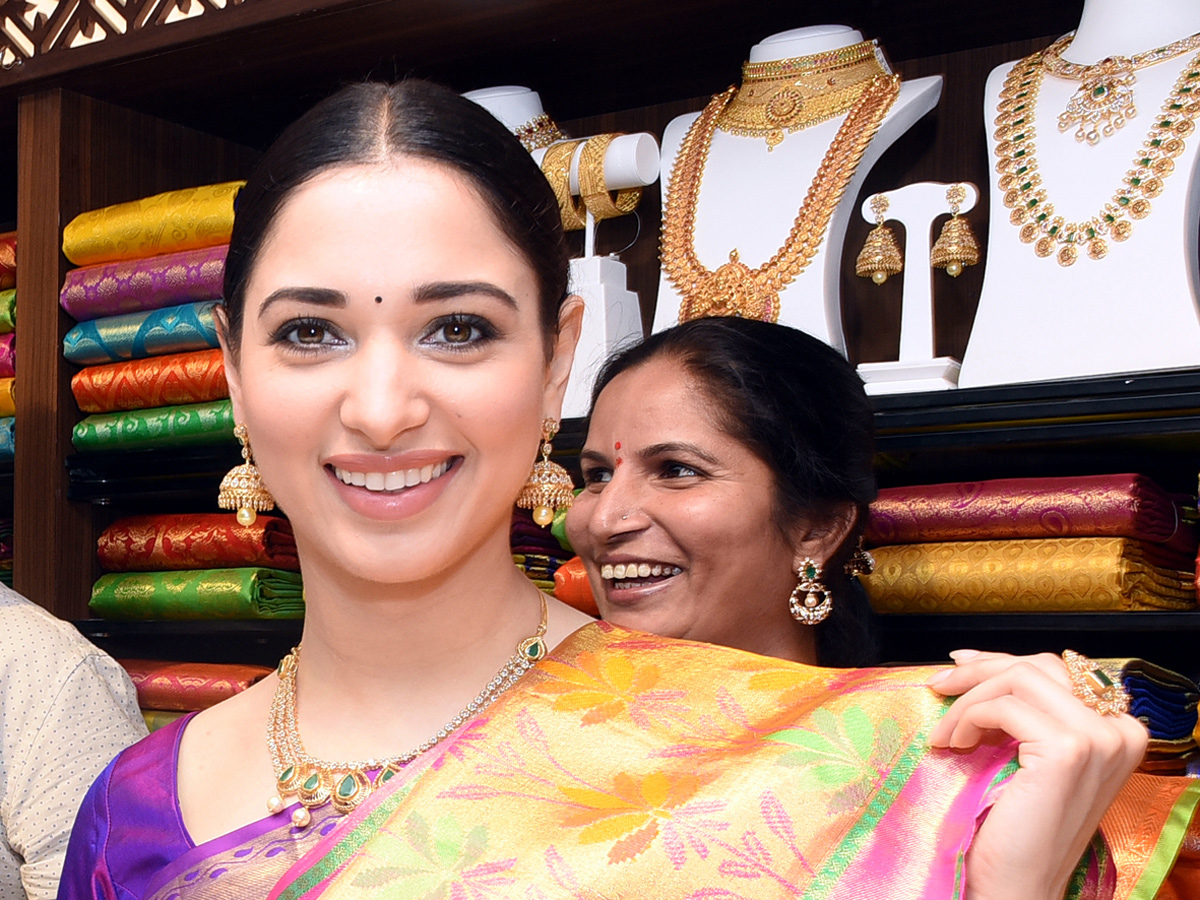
(395, 375)
(728, 469)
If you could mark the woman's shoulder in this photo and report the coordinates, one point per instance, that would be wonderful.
(129, 822)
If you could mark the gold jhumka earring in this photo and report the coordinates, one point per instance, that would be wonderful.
(860, 562)
(242, 487)
(811, 602)
(880, 255)
(956, 246)
(549, 487)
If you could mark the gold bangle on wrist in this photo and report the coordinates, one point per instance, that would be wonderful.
(1093, 687)
(594, 189)
(556, 166)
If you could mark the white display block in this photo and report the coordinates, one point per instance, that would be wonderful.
(750, 195)
(612, 320)
(907, 377)
(1136, 309)
(916, 207)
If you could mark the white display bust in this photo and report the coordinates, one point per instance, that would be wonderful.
(750, 196)
(1136, 309)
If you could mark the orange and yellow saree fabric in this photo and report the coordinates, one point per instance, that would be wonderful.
(632, 766)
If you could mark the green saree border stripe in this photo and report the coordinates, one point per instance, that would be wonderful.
(1167, 847)
(1010, 769)
(342, 852)
(825, 880)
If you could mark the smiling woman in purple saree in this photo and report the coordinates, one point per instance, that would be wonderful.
(397, 330)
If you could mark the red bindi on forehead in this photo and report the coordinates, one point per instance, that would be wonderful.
(617, 448)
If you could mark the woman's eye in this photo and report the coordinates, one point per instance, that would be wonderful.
(679, 470)
(309, 334)
(306, 333)
(460, 332)
(597, 476)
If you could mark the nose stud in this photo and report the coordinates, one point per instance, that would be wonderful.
(624, 517)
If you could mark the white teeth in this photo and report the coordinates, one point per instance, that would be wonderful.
(391, 481)
(636, 570)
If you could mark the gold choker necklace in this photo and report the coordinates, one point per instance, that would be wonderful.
(787, 95)
(1103, 102)
(315, 782)
(1033, 211)
(735, 289)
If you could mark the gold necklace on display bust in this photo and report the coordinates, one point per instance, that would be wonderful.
(734, 289)
(1103, 102)
(788, 95)
(316, 782)
(1032, 210)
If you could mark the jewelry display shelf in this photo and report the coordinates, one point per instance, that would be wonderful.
(1165, 637)
(259, 641)
(1147, 422)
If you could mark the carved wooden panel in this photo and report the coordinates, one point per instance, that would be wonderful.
(36, 28)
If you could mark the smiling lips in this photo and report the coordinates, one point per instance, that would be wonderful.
(638, 574)
(392, 481)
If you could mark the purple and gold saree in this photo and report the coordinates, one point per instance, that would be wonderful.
(627, 766)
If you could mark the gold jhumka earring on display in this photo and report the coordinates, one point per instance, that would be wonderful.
(811, 602)
(956, 246)
(549, 487)
(880, 255)
(860, 562)
(242, 487)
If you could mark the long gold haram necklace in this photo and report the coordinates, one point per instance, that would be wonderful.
(315, 782)
(735, 289)
(1032, 210)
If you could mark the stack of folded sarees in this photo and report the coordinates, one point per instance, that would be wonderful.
(198, 566)
(6, 552)
(150, 272)
(1166, 703)
(8, 351)
(168, 690)
(1089, 543)
(536, 550)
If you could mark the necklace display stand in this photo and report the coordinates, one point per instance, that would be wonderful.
(1135, 309)
(611, 313)
(916, 206)
(749, 196)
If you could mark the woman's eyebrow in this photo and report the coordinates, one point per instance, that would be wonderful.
(592, 456)
(666, 448)
(315, 296)
(449, 290)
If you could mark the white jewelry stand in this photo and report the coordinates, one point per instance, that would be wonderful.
(916, 206)
(1136, 309)
(612, 317)
(750, 196)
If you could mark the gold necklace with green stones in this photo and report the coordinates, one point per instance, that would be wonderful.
(1032, 210)
(315, 782)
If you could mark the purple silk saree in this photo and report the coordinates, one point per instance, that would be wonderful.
(129, 840)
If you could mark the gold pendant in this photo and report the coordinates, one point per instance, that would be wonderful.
(1101, 104)
(730, 291)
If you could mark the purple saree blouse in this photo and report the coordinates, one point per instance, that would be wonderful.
(129, 841)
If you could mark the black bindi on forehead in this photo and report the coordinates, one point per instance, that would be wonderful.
(378, 299)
